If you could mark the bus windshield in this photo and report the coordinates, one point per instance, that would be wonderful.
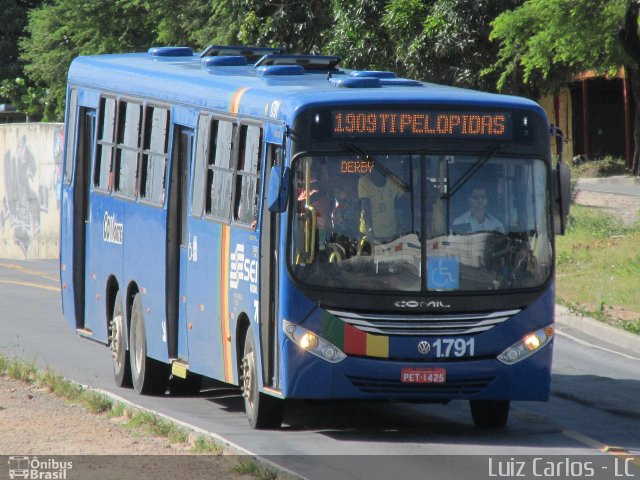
(420, 222)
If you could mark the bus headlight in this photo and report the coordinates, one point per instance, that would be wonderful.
(312, 343)
(527, 346)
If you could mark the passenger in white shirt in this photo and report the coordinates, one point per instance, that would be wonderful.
(477, 218)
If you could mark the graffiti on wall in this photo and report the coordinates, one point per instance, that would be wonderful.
(30, 183)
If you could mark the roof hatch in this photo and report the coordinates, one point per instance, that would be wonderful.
(251, 53)
(309, 62)
(170, 52)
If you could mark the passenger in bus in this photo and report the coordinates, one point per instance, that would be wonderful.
(319, 200)
(345, 216)
(378, 193)
(477, 219)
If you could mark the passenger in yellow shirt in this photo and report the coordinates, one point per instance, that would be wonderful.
(378, 194)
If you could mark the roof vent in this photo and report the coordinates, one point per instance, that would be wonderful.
(373, 74)
(269, 70)
(400, 82)
(224, 61)
(356, 82)
(309, 62)
(170, 52)
(251, 53)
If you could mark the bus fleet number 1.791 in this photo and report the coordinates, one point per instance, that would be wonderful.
(453, 347)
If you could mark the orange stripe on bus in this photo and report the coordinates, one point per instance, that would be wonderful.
(224, 302)
(235, 99)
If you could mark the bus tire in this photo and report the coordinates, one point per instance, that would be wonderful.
(263, 411)
(118, 345)
(490, 413)
(149, 376)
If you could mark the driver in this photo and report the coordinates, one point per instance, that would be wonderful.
(477, 218)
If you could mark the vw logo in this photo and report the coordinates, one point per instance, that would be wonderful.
(424, 347)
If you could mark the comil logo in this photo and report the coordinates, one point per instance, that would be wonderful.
(243, 269)
(38, 469)
(112, 231)
(421, 304)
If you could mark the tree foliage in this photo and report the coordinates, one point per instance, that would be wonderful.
(547, 41)
(13, 18)
(62, 30)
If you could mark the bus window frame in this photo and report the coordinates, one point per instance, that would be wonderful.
(233, 120)
(114, 145)
(238, 174)
(68, 171)
(122, 147)
(101, 144)
(168, 139)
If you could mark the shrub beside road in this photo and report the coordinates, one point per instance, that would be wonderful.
(598, 260)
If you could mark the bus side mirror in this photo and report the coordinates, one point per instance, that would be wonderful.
(562, 194)
(278, 193)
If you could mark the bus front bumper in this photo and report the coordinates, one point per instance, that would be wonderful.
(309, 377)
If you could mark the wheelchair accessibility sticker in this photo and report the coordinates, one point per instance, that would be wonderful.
(444, 273)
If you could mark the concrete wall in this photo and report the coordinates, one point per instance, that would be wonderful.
(30, 176)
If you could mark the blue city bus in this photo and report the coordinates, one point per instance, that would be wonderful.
(304, 231)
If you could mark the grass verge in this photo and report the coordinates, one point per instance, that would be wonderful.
(141, 422)
(598, 268)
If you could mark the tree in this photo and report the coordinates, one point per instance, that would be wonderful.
(198, 23)
(296, 26)
(444, 41)
(13, 18)
(60, 31)
(549, 41)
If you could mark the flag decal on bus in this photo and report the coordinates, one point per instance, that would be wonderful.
(352, 340)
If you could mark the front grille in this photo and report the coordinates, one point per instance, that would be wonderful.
(386, 386)
(436, 324)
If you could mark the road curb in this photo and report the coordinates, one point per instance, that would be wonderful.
(597, 329)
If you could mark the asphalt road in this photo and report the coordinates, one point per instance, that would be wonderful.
(594, 406)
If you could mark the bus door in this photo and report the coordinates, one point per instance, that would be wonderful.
(269, 274)
(75, 209)
(178, 250)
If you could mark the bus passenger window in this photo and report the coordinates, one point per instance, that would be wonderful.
(106, 129)
(247, 181)
(220, 174)
(154, 156)
(71, 134)
(128, 147)
(200, 170)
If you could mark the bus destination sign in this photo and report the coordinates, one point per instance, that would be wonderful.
(431, 124)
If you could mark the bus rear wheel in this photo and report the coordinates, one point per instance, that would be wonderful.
(490, 413)
(263, 411)
(149, 376)
(119, 352)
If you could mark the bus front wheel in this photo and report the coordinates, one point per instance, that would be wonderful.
(119, 352)
(149, 376)
(490, 413)
(263, 411)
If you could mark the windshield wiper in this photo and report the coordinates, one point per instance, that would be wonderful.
(471, 171)
(385, 171)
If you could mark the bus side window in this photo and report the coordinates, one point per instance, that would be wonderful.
(248, 175)
(128, 148)
(154, 155)
(200, 169)
(106, 129)
(70, 135)
(220, 173)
